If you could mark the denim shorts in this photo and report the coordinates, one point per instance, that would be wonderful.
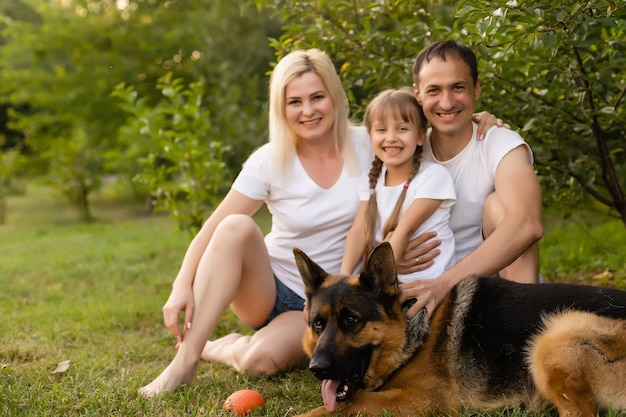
(286, 300)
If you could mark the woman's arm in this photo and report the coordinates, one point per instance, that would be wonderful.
(181, 296)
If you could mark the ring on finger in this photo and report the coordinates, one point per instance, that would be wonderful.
(417, 261)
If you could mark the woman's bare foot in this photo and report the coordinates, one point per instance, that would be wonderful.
(214, 350)
(178, 373)
(220, 350)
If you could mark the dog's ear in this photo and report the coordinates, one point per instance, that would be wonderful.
(379, 273)
(312, 274)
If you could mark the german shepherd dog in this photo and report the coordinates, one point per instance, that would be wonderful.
(491, 344)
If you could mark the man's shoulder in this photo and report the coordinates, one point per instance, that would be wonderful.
(499, 134)
(499, 141)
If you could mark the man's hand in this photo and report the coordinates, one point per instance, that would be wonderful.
(429, 293)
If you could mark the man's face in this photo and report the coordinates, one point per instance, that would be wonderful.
(447, 94)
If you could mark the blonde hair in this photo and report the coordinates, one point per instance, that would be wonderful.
(283, 140)
(402, 105)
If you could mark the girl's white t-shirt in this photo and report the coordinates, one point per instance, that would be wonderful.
(433, 182)
(304, 215)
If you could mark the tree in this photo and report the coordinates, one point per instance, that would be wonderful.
(557, 71)
(58, 73)
(185, 171)
(560, 71)
(371, 42)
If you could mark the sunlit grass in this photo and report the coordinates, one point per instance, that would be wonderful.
(92, 294)
(586, 247)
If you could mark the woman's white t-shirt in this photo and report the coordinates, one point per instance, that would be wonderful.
(432, 182)
(304, 215)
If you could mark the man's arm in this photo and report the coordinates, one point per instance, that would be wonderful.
(519, 193)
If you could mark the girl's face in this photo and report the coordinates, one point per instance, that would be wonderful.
(309, 108)
(394, 141)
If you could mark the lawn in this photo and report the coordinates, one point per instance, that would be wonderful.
(91, 294)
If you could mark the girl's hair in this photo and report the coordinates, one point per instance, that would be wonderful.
(402, 105)
(284, 141)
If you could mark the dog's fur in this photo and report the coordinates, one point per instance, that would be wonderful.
(491, 344)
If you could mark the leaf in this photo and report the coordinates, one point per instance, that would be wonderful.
(62, 367)
(606, 274)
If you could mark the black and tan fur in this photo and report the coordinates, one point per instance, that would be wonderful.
(491, 344)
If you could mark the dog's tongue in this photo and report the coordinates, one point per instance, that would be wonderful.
(329, 394)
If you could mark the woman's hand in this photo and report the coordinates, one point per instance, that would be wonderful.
(419, 253)
(485, 122)
(180, 299)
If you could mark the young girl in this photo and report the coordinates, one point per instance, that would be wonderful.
(402, 196)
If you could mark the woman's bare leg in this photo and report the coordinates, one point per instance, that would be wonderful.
(273, 349)
(235, 267)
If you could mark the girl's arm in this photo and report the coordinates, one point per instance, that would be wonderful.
(417, 213)
(355, 241)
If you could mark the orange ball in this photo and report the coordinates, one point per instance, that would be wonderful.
(243, 401)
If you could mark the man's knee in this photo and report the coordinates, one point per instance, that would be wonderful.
(493, 214)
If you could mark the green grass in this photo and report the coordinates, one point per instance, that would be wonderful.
(586, 247)
(92, 294)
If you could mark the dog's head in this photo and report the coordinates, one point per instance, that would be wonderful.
(356, 325)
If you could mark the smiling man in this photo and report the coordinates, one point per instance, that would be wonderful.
(497, 218)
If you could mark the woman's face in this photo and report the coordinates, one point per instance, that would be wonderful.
(309, 108)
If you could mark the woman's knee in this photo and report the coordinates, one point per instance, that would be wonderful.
(236, 227)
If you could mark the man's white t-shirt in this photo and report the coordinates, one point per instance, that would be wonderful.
(304, 215)
(473, 171)
(433, 182)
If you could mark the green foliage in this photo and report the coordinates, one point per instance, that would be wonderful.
(11, 162)
(371, 42)
(559, 72)
(556, 71)
(60, 67)
(44, 80)
(184, 168)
